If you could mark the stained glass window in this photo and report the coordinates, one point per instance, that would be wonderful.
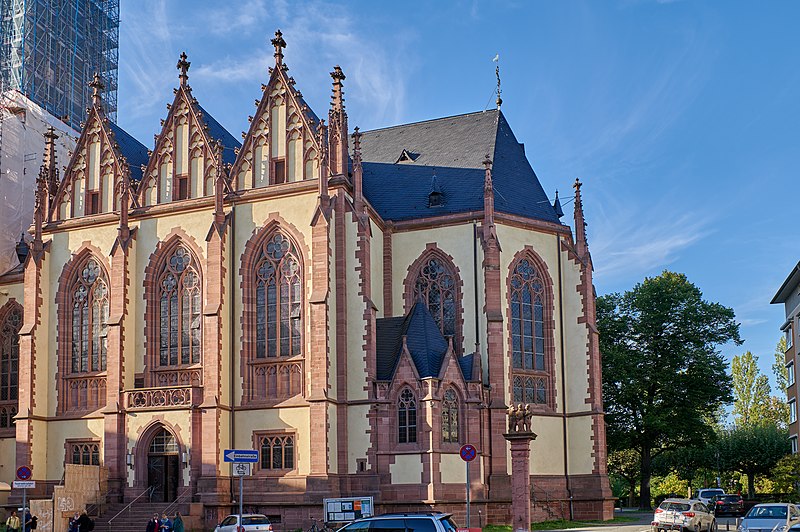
(407, 417)
(89, 319)
(278, 284)
(277, 452)
(179, 310)
(436, 287)
(9, 354)
(450, 417)
(527, 334)
(85, 453)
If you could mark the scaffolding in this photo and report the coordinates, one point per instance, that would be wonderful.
(51, 49)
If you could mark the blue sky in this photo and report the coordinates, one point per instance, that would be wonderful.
(682, 118)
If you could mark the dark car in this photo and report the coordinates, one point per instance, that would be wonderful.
(728, 504)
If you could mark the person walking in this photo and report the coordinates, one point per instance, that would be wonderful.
(177, 523)
(85, 523)
(153, 524)
(30, 521)
(73, 522)
(13, 523)
(166, 524)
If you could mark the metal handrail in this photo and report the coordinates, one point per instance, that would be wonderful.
(148, 491)
(174, 503)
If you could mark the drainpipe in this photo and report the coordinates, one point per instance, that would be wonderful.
(478, 337)
(563, 377)
(231, 321)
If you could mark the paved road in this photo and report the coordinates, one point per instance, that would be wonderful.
(642, 524)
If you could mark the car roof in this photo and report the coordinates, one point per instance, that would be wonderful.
(773, 504)
(685, 501)
(414, 514)
(247, 515)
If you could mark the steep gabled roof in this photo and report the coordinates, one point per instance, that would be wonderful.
(453, 148)
(134, 151)
(216, 131)
(424, 340)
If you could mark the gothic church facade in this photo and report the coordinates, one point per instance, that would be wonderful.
(354, 305)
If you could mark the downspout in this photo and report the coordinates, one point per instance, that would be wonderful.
(563, 377)
(232, 336)
(478, 330)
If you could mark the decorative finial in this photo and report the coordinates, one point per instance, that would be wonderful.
(97, 89)
(356, 141)
(557, 206)
(487, 164)
(279, 45)
(499, 100)
(577, 186)
(183, 65)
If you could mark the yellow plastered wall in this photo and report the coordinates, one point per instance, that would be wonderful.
(453, 469)
(581, 448)
(138, 422)
(406, 469)
(8, 449)
(288, 419)
(356, 328)
(357, 435)
(547, 451)
(376, 268)
(333, 325)
(456, 241)
(57, 434)
(333, 440)
(16, 292)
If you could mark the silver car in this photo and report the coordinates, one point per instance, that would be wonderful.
(775, 517)
(683, 514)
(250, 523)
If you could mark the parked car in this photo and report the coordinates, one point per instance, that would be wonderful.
(775, 517)
(705, 495)
(250, 522)
(410, 522)
(728, 504)
(683, 514)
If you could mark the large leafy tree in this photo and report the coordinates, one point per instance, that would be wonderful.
(625, 465)
(663, 375)
(751, 399)
(779, 366)
(753, 450)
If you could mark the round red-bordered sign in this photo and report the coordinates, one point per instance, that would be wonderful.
(24, 472)
(468, 452)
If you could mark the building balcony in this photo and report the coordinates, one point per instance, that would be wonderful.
(165, 398)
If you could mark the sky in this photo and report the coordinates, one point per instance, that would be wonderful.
(681, 118)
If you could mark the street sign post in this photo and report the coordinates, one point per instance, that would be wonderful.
(240, 456)
(24, 473)
(468, 453)
(240, 460)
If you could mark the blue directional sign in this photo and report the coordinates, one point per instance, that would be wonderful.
(240, 455)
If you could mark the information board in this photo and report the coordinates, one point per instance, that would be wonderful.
(346, 509)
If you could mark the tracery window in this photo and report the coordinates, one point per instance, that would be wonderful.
(278, 283)
(179, 309)
(84, 453)
(407, 417)
(277, 451)
(450, 417)
(527, 334)
(163, 443)
(436, 287)
(9, 356)
(89, 319)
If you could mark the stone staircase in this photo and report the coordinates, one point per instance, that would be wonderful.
(134, 518)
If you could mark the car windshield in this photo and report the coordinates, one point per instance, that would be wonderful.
(730, 498)
(448, 524)
(255, 520)
(710, 493)
(767, 512)
(674, 506)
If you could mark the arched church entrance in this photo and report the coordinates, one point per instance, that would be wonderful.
(163, 466)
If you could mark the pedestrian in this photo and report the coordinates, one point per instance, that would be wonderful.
(177, 523)
(13, 522)
(73, 522)
(30, 521)
(153, 524)
(85, 523)
(166, 524)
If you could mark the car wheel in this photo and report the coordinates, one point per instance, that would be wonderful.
(713, 526)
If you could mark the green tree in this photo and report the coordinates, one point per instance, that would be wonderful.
(663, 376)
(625, 465)
(786, 475)
(779, 366)
(753, 450)
(750, 391)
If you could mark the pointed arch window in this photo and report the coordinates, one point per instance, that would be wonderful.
(89, 319)
(407, 417)
(436, 287)
(450, 417)
(277, 451)
(163, 443)
(527, 335)
(179, 309)
(10, 325)
(278, 284)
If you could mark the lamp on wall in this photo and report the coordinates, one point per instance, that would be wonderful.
(129, 460)
(184, 458)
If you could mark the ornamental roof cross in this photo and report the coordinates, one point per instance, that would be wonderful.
(183, 65)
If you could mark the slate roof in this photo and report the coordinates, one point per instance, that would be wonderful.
(453, 148)
(229, 142)
(134, 151)
(424, 340)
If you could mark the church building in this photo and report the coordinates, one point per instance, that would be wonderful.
(355, 306)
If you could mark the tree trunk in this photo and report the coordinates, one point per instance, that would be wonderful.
(646, 473)
(631, 492)
(751, 488)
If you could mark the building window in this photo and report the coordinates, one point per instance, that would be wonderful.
(531, 390)
(83, 453)
(790, 373)
(179, 310)
(89, 342)
(407, 417)
(435, 286)
(792, 411)
(279, 171)
(277, 452)
(793, 439)
(181, 188)
(450, 417)
(93, 202)
(9, 356)
(788, 332)
(163, 443)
